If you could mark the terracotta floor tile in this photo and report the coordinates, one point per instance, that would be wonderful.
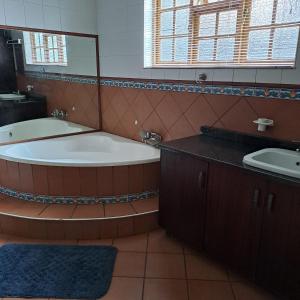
(199, 267)
(88, 211)
(105, 242)
(125, 289)
(147, 205)
(130, 264)
(136, 243)
(160, 242)
(165, 266)
(61, 242)
(247, 291)
(210, 290)
(165, 289)
(19, 240)
(58, 211)
(9, 205)
(3, 238)
(30, 209)
(121, 209)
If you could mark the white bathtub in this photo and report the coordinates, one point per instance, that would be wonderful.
(86, 150)
(38, 128)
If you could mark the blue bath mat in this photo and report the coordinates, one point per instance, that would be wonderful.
(65, 272)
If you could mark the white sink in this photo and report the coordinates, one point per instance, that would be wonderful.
(11, 97)
(285, 162)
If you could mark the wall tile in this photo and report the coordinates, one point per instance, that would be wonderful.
(26, 178)
(136, 179)
(52, 17)
(120, 180)
(15, 12)
(2, 12)
(13, 175)
(168, 109)
(40, 180)
(55, 181)
(34, 15)
(88, 180)
(71, 181)
(244, 75)
(268, 76)
(66, 95)
(105, 181)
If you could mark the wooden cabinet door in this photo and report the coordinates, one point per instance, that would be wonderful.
(279, 254)
(234, 214)
(293, 250)
(182, 196)
(170, 191)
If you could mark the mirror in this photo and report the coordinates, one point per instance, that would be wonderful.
(48, 85)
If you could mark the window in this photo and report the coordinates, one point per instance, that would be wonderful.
(221, 33)
(45, 49)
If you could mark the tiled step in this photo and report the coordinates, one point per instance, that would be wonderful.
(58, 221)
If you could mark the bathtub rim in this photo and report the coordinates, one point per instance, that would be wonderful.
(49, 137)
(71, 164)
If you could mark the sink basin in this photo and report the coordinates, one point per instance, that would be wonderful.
(281, 161)
(11, 97)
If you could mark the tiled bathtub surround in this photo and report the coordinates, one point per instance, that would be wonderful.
(78, 185)
(77, 200)
(178, 110)
(85, 222)
(77, 96)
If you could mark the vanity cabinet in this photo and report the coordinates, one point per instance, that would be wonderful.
(247, 221)
(182, 197)
(234, 217)
(278, 265)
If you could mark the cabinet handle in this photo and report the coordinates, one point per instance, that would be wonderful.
(270, 203)
(256, 198)
(201, 180)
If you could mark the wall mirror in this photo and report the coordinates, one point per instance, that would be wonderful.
(48, 84)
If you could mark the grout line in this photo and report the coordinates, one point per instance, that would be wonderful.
(173, 278)
(133, 208)
(232, 290)
(186, 274)
(145, 269)
(43, 209)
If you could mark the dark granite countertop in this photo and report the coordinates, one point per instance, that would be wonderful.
(229, 148)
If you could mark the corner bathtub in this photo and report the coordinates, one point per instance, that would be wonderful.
(38, 128)
(89, 168)
(95, 149)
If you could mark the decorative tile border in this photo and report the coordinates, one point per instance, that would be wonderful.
(247, 91)
(77, 200)
(62, 77)
(202, 88)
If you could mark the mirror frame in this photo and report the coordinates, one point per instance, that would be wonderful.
(96, 38)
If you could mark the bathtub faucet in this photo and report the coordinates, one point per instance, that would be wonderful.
(150, 138)
(59, 114)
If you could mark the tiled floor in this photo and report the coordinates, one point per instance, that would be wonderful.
(155, 267)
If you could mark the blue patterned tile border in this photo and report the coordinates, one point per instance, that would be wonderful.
(247, 91)
(78, 200)
(62, 77)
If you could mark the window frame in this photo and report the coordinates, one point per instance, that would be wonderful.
(62, 61)
(243, 30)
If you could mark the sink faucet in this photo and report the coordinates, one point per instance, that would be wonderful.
(150, 138)
(59, 114)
